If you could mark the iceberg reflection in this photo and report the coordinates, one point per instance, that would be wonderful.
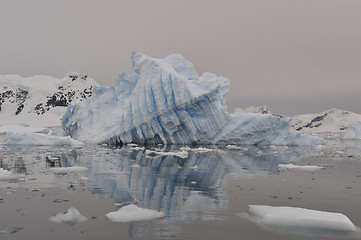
(184, 188)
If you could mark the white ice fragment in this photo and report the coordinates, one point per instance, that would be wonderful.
(135, 166)
(291, 166)
(110, 172)
(84, 179)
(132, 213)
(197, 150)
(8, 175)
(152, 153)
(27, 138)
(299, 219)
(233, 147)
(73, 169)
(137, 148)
(194, 167)
(71, 217)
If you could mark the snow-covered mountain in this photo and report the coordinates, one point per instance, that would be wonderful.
(41, 100)
(329, 121)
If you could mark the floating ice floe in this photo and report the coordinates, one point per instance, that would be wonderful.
(132, 213)
(28, 138)
(20, 129)
(8, 175)
(165, 102)
(198, 150)
(73, 169)
(152, 153)
(70, 217)
(291, 166)
(300, 220)
(233, 147)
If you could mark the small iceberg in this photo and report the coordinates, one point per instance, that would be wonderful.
(152, 153)
(8, 175)
(301, 220)
(29, 138)
(132, 213)
(70, 217)
(291, 166)
(73, 169)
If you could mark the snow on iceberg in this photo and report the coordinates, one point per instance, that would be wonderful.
(132, 213)
(300, 219)
(28, 138)
(165, 101)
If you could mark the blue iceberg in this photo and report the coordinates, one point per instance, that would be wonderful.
(165, 102)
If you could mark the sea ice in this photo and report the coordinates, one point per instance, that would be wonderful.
(29, 138)
(132, 213)
(300, 219)
(73, 169)
(165, 102)
(70, 217)
(152, 153)
(297, 167)
(8, 175)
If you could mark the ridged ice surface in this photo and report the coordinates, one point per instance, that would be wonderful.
(165, 101)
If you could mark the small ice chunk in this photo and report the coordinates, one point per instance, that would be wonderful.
(233, 147)
(300, 219)
(27, 138)
(73, 169)
(8, 175)
(70, 217)
(297, 167)
(152, 153)
(133, 213)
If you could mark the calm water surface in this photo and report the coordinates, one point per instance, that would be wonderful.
(195, 191)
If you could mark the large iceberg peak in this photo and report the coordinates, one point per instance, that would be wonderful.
(165, 101)
(161, 102)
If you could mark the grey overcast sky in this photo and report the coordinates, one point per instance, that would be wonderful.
(295, 56)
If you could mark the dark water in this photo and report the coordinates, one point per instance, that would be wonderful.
(201, 194)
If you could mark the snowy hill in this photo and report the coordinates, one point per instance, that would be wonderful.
(329, 121)
(41, 100)
(332, 121)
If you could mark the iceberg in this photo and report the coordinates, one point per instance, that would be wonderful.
(165, 102)
(300, 220)
(70, 217)
(132, 213)
(29, 138)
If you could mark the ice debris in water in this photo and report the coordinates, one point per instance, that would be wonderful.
(133, 213)
(70, 217)
(8, 175)
(165, 102)
(152, 153)
(291, 166)
(73, 169)
(300, 219)
(28, 138)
